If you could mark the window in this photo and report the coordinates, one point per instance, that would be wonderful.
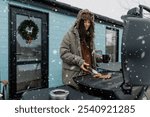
(112, 41)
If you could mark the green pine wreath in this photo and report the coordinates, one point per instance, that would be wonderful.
(28, 30)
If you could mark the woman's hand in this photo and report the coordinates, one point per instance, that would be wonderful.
(84, 67)
(104, 76)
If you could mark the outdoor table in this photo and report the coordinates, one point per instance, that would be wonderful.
(43, 94)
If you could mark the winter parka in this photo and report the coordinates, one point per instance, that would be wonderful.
(71, 55)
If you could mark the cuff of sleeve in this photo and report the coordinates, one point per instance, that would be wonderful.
(81, 62)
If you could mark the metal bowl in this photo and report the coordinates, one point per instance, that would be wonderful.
(1, 96)
(59, 94)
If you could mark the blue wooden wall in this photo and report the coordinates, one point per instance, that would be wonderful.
(3, 40)
(59, 24)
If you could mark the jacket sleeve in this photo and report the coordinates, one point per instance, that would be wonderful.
(66, 55)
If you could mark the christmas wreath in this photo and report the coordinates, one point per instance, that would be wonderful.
(28, 30)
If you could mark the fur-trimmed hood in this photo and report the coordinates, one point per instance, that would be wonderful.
(84, 14)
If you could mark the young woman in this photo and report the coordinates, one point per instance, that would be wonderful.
(77, 49)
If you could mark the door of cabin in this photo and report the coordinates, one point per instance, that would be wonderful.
(28, 50)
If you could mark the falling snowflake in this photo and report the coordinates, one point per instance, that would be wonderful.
(56, 10)
(98, 44)
(5, 10)
(140, 37)
(33, 97)
(39, 89)
(59, 62)
(143, 41)
(143, 55)
(132, 65)
(52, 78)
(53, 61)
(128, 68)
(72, 68)
(146, 66)
(123, 43)
(50, 74)
(55, 52)
(140, 80)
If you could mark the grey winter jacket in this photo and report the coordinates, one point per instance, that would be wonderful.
(70, 53)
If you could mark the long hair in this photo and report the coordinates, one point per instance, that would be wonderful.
(87, 35)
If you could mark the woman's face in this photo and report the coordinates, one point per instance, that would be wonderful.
(87, 24)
